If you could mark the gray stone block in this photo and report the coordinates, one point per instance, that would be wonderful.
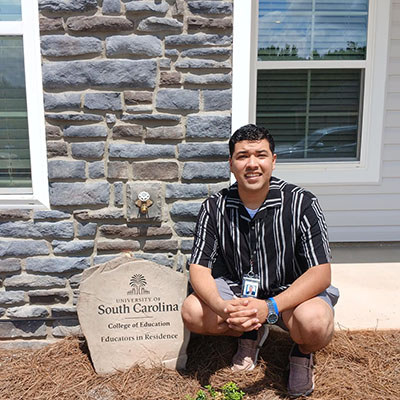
(203, 150)
(185, 228)
(63, 311)
(111, 6)
(138, 45)
(57, 265)
(62, 101)
(154, 212)
(88, 229)
(208, 79)
(135, 98)
(206, 171)
(66, 327)
(99, 23)
(22, 248)
(104, 213)
(156, 24)
(147, 6)
(164, 63)
(67, 5)
(67, 46)
(151, 118)
(88, 150)
(2, 311)
(182, 263)
(79, 194)
(185, 210)
(202, 39)
(9, 298)
(48, 296)
(75, 246)
(104, 258)
(128, 132)
(50, 24)
(165, 133)
(175, 99)
(96, 169)
(52, 214)
(118, 170)
(206, 52)
(75, 280)
(111, 118)
(85, 131)
(142, 151)
(73, 117)
(217, 187)
(213, 126)
(194, 63)
(22, 329)
(186, 245)
(57, 149)
(37, 230)
(103, 101)
(60, 169)
(162, 259)
(158, 170)
(201, 23)
(33, 282)
(171, 52)
(185, 191)
(210, 7)
(118, 194)
(217, 100)
(10, 265)
(27, 312)
(6, 215)
(100, 73)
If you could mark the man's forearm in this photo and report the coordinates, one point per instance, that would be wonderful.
(205, 287)
(311, 283)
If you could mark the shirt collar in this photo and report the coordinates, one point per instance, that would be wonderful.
(274, 196)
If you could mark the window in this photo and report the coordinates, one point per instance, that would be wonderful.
(316, 71)
(23, 162)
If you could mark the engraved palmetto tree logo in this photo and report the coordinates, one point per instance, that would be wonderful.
(138, 284)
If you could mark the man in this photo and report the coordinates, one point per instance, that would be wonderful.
(270, 234)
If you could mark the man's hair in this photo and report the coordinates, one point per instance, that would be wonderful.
(251, 132)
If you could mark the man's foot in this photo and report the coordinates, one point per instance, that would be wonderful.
(301, 374)
(245, 358)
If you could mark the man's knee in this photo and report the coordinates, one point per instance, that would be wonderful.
(191, 313)
(313, 323)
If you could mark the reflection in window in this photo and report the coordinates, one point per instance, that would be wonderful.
(14, 139)
(10, 10)
(312, 114)
(312, 29)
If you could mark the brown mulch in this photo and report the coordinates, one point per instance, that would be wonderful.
(363, 365)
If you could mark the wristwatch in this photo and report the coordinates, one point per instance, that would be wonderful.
(273, 313)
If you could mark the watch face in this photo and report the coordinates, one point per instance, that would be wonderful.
(272, 318)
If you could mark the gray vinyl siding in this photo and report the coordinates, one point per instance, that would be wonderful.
(372, 212)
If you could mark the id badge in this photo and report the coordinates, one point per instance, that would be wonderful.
(250, 285)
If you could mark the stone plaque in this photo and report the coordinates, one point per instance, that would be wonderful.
(129, 311)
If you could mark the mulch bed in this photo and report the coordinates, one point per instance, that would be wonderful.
(363, 365)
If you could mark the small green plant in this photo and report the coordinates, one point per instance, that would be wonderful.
(229, 391)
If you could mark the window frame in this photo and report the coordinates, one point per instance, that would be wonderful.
(36, 197)
(367, 169)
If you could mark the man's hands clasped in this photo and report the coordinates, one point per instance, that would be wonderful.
(245, 314)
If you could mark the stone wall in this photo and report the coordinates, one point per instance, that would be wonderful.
(137, 97)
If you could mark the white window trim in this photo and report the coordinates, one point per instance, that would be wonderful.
(368, 169)
(38, 197)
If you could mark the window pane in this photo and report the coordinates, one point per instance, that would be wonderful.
(14, 140)
(305, 30)
(10, 10)
(312, 114)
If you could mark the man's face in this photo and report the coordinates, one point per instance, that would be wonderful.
(252, 163)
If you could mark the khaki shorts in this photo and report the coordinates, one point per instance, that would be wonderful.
(329, 295)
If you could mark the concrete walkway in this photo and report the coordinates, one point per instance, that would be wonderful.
(369, 295)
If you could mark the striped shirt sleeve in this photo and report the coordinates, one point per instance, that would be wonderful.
(205, 246)
(314, 243)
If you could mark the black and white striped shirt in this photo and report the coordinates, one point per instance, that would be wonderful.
(287, 236)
